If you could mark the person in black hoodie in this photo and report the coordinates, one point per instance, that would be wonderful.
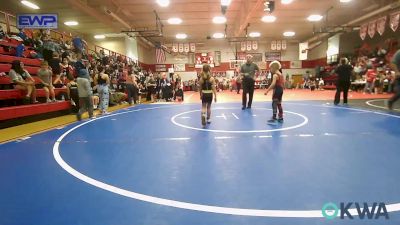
(344, 72)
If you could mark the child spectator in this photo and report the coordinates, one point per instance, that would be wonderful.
(102, 81)
(66, 69)
(370, 77)
(45, 74)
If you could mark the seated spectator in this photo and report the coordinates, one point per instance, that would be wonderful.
(2, 33)
(117, 97)
(22, 34)
(20, 50)
(45, 74)
(66, 68)
(22, 80)
(55, 65)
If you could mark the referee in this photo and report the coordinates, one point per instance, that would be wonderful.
(247, 72)
(344, 72)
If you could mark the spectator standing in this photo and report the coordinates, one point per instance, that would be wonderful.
(344, 72)
(85, 94)
(131, 87)
(151, 87)
(102, 80)
(370, 77)
(396, 67)
(55, 65)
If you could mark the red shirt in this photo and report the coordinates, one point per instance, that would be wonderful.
(370, 75)
(280, 81)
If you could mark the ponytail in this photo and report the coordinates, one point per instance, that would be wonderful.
(205, 76)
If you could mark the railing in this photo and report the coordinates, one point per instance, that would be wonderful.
(10, 22)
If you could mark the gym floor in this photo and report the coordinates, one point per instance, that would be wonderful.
(155, 164)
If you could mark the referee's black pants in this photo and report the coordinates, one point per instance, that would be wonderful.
(248, 88)
(342, 86)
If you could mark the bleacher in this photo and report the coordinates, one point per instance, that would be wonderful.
(13, 107)
(330, 82)
(11, 99)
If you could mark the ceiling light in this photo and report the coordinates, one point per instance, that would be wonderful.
(71, 23)
(219, 19)
(30, 4)
(174, 21)
(345, 1)
(225, 2)
(289, 34)
(181, 36)
(314, 18)
(254, 34)
(286, 1)
(218, 35)
(163, 3)
(268, 19)
(99, 36)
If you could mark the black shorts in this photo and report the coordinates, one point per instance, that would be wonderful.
(278, 93)
(151, 90)
(207, 98)
(39, 86)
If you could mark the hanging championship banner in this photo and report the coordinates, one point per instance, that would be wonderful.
(303, 51)
(192, 47)
(243, 46)
(363, 31)
(284, 45)
(273, 45)
(180, 47)
(248, 45)
(255, 45)
(175, 47)
(271, 56)
(380, 25)
(372, 28)
(278, 45)
(394, 21)
(186, 47)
